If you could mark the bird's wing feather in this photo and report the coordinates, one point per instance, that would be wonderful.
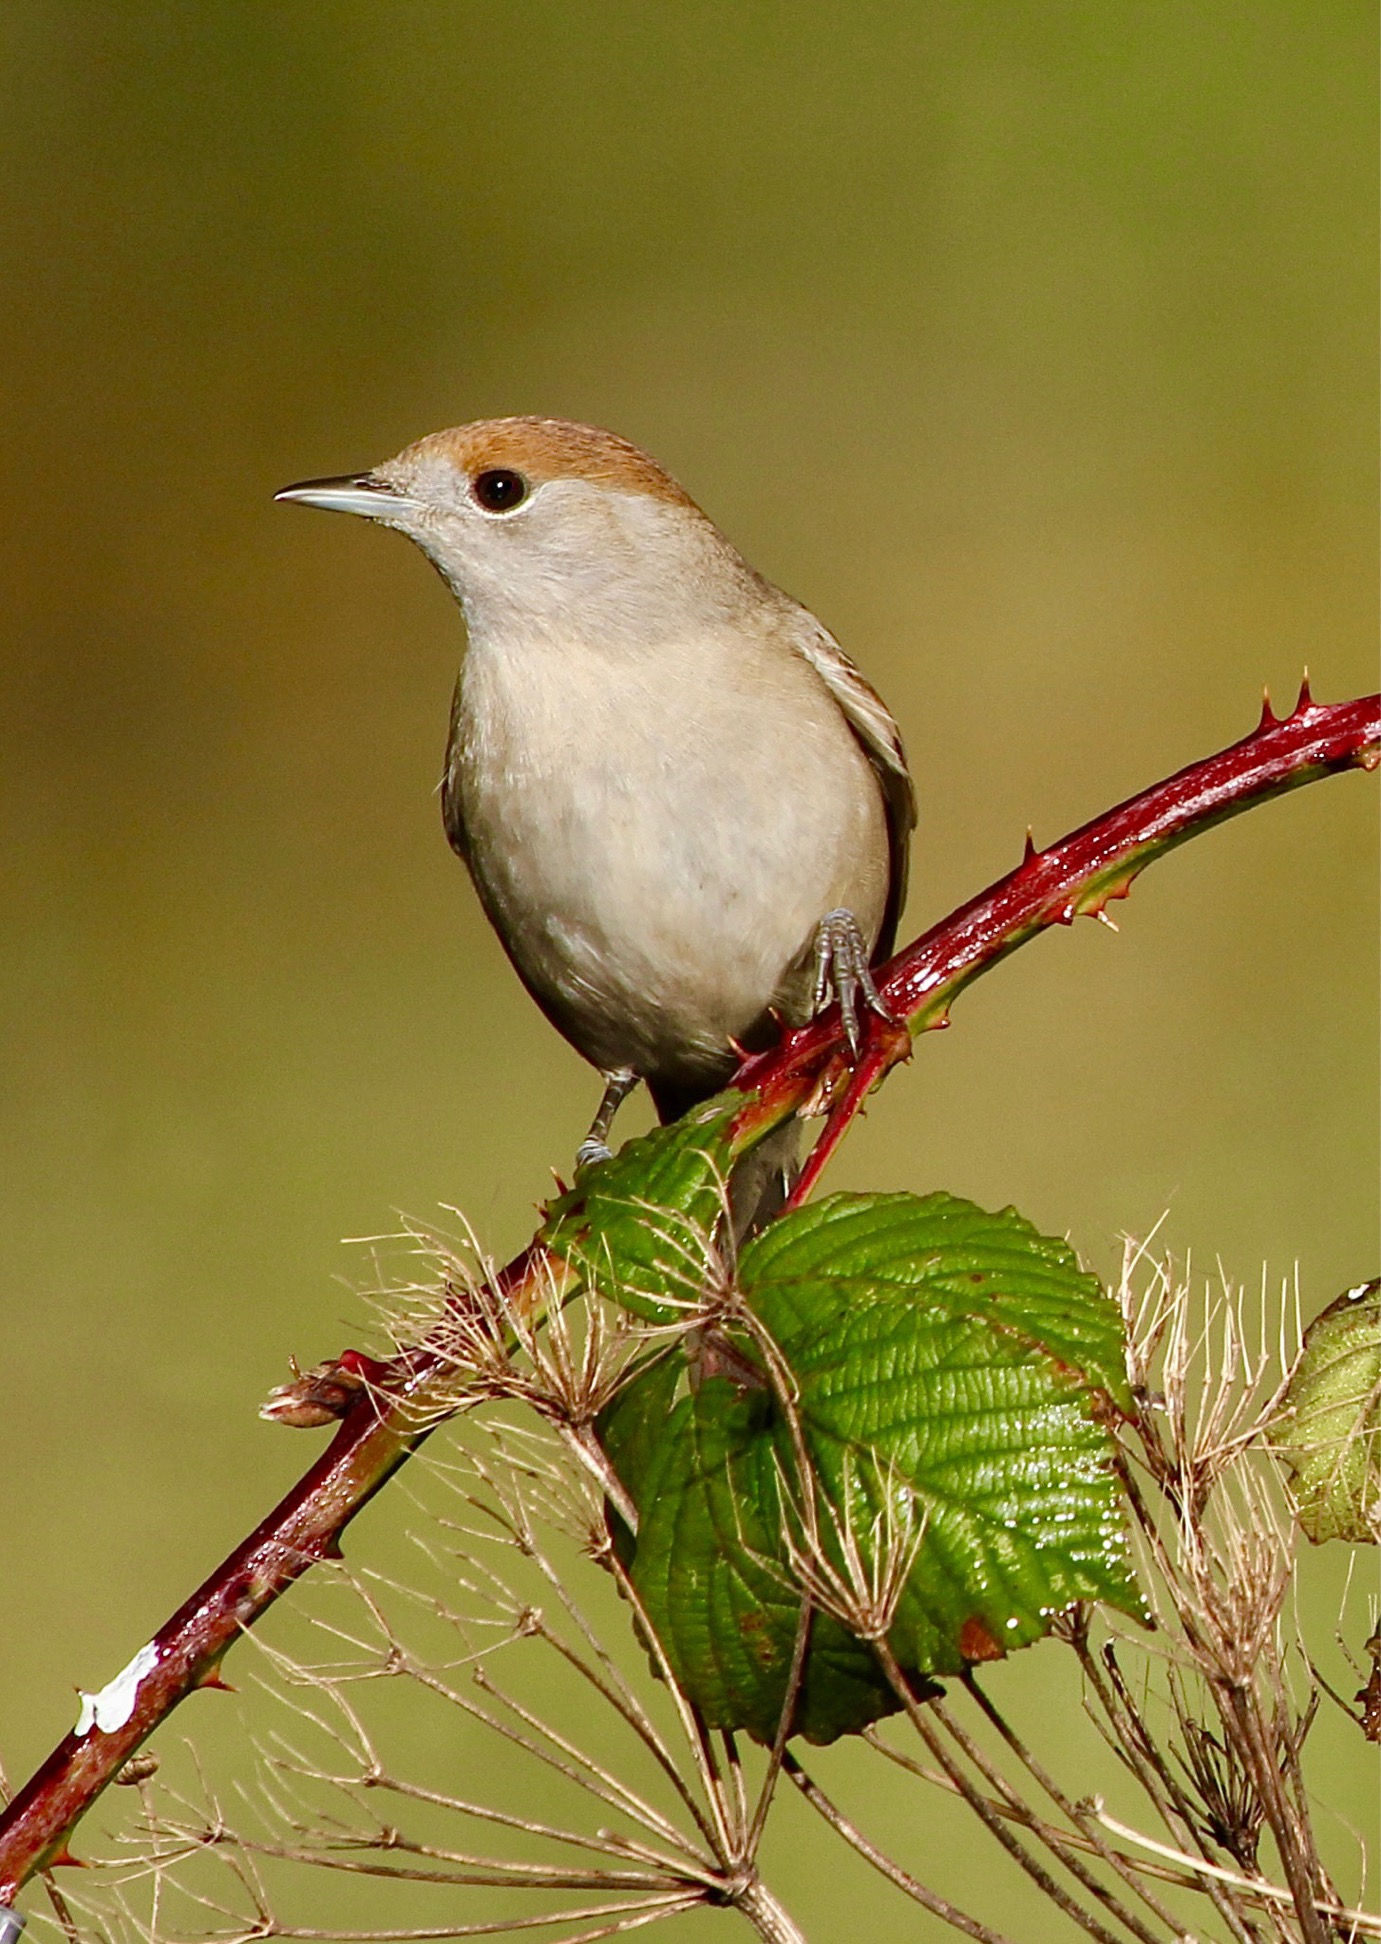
(871, 721)
(452, 814)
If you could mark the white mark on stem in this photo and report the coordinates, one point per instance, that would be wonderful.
(113, 1706)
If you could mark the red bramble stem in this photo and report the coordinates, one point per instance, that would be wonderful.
(381, 1405)
(1073, 878)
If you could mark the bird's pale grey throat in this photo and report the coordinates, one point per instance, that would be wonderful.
(685, 811)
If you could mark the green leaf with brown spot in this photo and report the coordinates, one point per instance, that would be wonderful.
(953, 1363)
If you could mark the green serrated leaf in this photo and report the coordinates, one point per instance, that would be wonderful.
(631, 1429)
(995, 1266)
(1331, 1427)
(951, 1358)
(636, 1226)
(705, 1568)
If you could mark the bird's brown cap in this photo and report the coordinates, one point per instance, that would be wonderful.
(545, 448)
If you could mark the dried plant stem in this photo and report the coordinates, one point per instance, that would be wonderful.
(62, 1910)
(586, 1446)
(767, 1916)
(1364, 1922)
(1083, 1819)
(736, 1835)
(575, 1766)
(918, 1713)
(1298, 1856)
(638, 1720)
(777, 1752)
(601, 1673)
(902, 1879)
(1142, 1866)
(492, 1874)
(1053, 1840)
(1137, 1750)
(1228, 1630)
(626, 1917)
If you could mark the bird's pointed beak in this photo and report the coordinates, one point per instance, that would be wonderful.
(352, 493)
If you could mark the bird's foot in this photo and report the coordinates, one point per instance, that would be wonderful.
(842, 972)
(618, 1084)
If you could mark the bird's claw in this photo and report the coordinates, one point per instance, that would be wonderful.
(842, 972)
(591, 1152)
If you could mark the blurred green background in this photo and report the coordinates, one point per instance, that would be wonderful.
(1031, 345)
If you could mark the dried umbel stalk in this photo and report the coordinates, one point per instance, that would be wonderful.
(1221, 1551)
(852, 1556)
(665, 1824)
(503, 1633)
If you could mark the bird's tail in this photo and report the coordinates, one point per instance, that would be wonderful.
(762, 1180)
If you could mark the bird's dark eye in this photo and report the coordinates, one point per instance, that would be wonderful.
(499, 490)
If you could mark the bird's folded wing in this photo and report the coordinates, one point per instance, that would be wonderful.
(871, 721)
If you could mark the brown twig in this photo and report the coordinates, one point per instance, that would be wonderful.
(1066, 1853)
(386, 1409)
(919, 1713)
(901, 1879)
(1081, 1817)
(1128, 1864)
(1135, 1746)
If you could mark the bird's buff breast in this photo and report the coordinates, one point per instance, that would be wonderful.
(655, 847)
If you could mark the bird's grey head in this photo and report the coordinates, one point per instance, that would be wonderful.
(543, 524)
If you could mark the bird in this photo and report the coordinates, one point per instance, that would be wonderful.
(686, 813)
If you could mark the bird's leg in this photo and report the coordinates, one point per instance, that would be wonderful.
(617, 1087)
(842, 972)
